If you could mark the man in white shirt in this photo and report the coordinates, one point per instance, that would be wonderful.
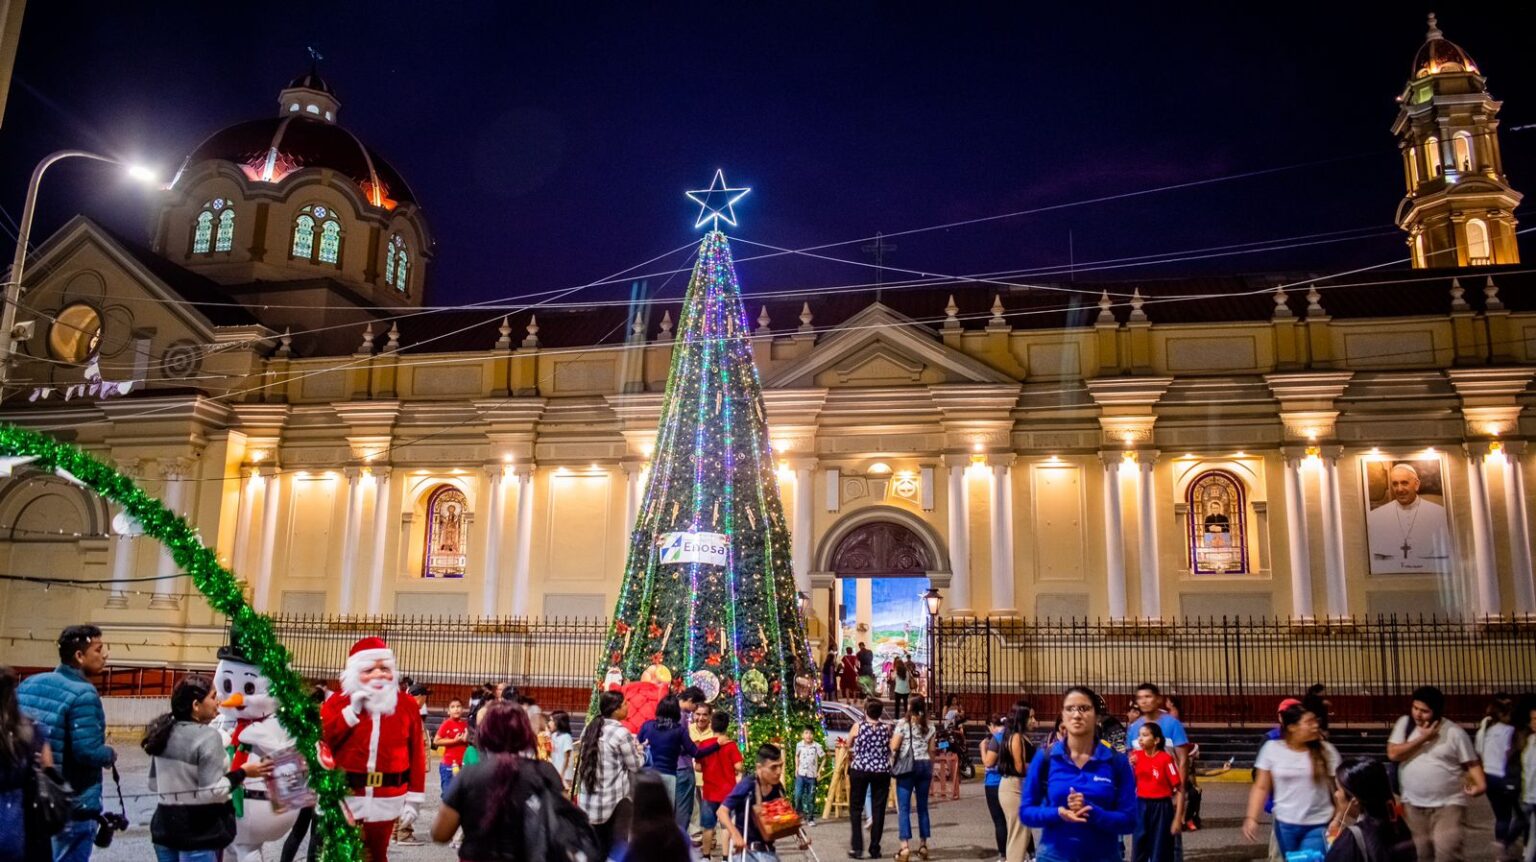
(1409, 534)
(1438, 770)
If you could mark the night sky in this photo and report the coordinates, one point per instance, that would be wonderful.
(550, 144)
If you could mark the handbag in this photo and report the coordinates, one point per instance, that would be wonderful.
(46, 804)
(901, 761)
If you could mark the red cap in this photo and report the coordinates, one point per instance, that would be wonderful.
(1287, 704)
(366, 645)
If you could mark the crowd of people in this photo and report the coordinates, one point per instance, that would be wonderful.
(514, 779)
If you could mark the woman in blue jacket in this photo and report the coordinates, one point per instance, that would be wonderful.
(1080, 793)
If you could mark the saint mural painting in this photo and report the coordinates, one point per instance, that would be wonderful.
(708, 596)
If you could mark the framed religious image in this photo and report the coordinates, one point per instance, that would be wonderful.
(1218, 534)
(1407, 528)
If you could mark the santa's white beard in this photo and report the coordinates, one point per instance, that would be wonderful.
(382, 697)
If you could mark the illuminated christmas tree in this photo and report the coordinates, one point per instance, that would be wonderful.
(708, 593)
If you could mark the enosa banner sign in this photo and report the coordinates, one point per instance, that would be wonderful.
(709, 548)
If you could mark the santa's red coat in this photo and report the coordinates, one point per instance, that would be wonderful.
(362, 743)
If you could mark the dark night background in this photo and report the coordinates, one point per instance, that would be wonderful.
(550, 143)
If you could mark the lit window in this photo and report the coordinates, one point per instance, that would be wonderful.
(304, 236)
(1432, 164)
(313, 109)
(293, 108)
(225, 240)
(397, 264)
(1461, 143)
(446, 543)
(328, 116)
(75, 333)
(1218, 538)
(1477, 243)
(203, 233)
(330, 241)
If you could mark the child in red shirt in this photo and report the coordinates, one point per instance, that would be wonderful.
(722, 769)
(1160, 794)
(452, 737)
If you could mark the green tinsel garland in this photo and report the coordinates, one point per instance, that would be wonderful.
(297, 713)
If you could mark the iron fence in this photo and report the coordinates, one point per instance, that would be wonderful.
(1235, 671)
(552, 659)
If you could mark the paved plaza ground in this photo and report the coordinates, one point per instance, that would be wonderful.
(961, 829)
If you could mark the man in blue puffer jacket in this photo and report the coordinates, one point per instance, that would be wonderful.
(65, 701)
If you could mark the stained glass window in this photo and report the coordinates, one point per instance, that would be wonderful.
(397, 264)
(447, 536)
(1218, 534)
(389, 263)
(330, 241)
(226, 236)
(203, 233)
(304, 236)
(402, 270)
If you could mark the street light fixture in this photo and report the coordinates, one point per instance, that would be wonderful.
(139, 173)
(934, 601)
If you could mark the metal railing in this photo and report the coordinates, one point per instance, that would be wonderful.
(553, 659)
(1235, 671)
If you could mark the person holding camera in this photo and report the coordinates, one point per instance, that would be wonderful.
(65, 701)
(189, 769)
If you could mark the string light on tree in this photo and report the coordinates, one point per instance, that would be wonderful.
(708, 595)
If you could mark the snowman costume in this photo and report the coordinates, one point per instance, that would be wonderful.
(374, 732)
(251, 734)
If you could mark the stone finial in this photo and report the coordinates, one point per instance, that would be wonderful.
(951, 314)
(533, 331)
(505, 331)
(367, 346)
(1491, 301)
(637, 329)
(1314, 302)
(997, 308)
(285, 343)
(666, 327)
(1434, 28)
(1137, 301)
(805, 317)
(1282, 303)
(762, 322)
(394, 338)
(1457, 292)
(1106, 316)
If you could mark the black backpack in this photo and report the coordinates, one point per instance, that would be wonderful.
(554, 829)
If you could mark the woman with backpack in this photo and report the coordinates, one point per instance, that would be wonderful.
(1379, 835)
(1080, 793)
(489, 799)
(23, 750)
(1012, 763)
(912, 745)
(189, 769)
(1299, 768)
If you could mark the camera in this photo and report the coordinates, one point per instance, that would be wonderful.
(110, 824)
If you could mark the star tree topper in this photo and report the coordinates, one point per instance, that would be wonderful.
(716, 202)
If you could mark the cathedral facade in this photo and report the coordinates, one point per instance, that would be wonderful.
(1285, 446)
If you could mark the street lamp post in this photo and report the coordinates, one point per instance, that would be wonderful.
(934, 601)
(23, 239)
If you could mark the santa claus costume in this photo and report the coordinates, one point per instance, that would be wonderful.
(375, 734)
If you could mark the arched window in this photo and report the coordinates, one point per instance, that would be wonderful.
(217, 211)
(1461, 145)
(1478, 251)
(328, 249)
(397, 264)
(1432, 165)
(225, 239)
(1413, 170)
(1218, 534)
(402, 268)
(445, 553)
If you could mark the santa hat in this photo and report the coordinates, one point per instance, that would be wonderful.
(369, 650)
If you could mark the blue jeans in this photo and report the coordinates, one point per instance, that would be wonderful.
(74, 843)
(445, 775)
(919, 779)
(805, 796)
(683, 798)
(1292, 837)
(166, 854)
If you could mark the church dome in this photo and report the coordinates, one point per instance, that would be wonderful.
(1440, 56)
(270, 149)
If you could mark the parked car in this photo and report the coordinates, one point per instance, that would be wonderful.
(839, 718)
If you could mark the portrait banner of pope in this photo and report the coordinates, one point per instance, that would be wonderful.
(1407, 528)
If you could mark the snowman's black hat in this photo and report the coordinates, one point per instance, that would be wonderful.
(232, 651)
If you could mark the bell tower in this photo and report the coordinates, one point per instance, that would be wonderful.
(1459, 207)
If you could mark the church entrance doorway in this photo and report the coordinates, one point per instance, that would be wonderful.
(881, 570)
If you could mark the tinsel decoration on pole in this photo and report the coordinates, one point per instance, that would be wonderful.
(251, 631)
(708, 596)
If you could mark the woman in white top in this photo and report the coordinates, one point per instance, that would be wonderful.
(912, 743)
(1298, 768)
(1495, 742)
(1525, 741)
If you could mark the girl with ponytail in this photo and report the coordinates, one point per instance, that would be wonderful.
(1299, 768)
(608, 759)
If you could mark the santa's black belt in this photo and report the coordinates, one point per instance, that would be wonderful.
(360, 780)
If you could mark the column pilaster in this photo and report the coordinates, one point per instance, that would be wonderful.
(351, 525)
(381, 522)
(523, 538)
(959, 535)
(1296, 536)
(1146, 506)
(1485, 574)
(1333, 531)
(123, 548)
(1114, 535)
(1519, 527)
(1003, 603)
(271, 492)
(175, 472)
(494, 475)
(800, 530)
(243, 523)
